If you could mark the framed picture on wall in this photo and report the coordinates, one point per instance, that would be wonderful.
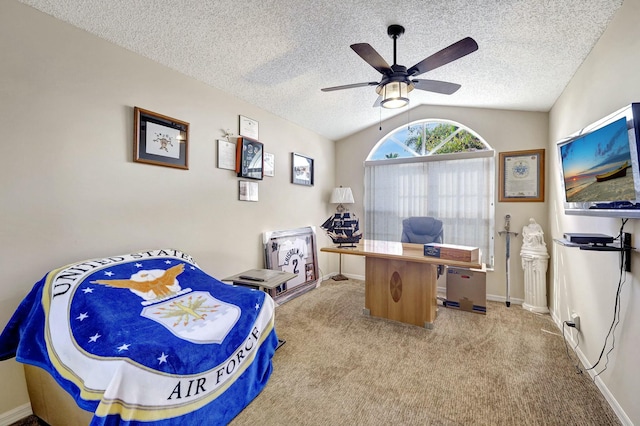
(249, 158)
(269, 164)
(226, 155)
(160, 140)
(521, 175)
(301, 169)
(248, 191)
(295, 251)
(249, 128)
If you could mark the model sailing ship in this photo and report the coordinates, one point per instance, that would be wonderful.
(343, 228)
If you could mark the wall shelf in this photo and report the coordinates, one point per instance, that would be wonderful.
(603, 248)
(626, 248)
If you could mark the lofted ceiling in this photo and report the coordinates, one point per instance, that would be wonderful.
(278, 54)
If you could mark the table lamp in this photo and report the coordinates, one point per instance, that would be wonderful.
(343, 227)
(341, 196)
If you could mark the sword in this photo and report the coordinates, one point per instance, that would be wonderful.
(508, 233)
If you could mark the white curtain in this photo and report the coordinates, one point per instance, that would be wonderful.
(458, 189)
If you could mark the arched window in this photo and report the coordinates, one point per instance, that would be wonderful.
(435, 168)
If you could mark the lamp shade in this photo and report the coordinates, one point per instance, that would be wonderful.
(342, 196)
(395, 94)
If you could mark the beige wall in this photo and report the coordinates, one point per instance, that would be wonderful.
(586, 282)
(504, 131)
(70, 190)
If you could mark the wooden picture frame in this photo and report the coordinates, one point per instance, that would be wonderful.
(302, 169)
(295, 251)
(249, 158)
(160, 140)
(521, 175)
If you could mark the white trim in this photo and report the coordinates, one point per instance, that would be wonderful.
(352, 276)
(436, 157)
(16, 414)
(422, 122)
(613, 403)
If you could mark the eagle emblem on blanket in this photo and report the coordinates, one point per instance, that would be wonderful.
(149, 284)
(195, 316)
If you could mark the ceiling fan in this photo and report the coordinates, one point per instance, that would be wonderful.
(397, 81)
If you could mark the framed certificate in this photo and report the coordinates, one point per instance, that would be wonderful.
(269, 168)
(521, 175)
(249, 128)
(248, 191)
(226, 155)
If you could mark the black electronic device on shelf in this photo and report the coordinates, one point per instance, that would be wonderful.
(601, 242)
(594, 239)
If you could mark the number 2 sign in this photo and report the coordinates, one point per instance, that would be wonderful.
(293, 251)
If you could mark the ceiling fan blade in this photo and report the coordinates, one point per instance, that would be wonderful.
(349, 86)
(377, 102)
(436, 86)
(372, 57)
(448, 54)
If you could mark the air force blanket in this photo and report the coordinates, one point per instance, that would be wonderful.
(146, 337)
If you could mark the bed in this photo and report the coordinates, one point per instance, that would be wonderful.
(143, 338)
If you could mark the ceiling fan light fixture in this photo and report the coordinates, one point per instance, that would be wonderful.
(395, 94)
(397, 80)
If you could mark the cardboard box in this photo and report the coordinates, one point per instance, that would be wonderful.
(452, 252)
(467, 289)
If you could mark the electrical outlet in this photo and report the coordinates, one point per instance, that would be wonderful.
(576, 320)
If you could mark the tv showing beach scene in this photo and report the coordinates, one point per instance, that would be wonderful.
(597, 166)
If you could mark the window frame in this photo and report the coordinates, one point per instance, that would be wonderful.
(391, 135)
(433, 156)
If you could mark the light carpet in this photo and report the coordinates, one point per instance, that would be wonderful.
(339, 367)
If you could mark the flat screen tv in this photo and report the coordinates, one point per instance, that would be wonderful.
(600, 169)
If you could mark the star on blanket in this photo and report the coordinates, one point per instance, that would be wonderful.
(124, 347)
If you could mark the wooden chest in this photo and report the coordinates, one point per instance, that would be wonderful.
(452, 252)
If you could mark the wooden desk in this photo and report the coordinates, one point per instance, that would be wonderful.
(400, 281)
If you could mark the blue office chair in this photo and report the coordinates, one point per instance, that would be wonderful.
(423, 230)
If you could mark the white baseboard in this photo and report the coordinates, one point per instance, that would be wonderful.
(352, 276)
(16, 414)
(503, 299)
(604, 390)
(355, 277)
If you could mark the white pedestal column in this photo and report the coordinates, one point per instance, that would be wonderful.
(534, 263)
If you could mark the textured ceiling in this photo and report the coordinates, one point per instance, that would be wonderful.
(278, 54)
